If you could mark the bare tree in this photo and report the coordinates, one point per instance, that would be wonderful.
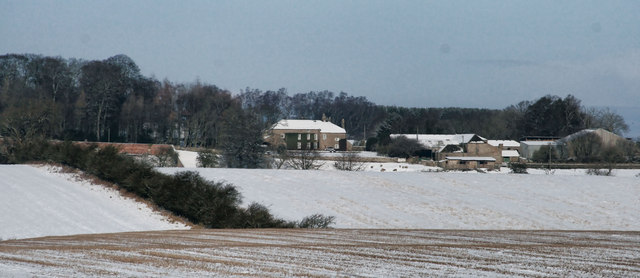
(349, 161)
(305, 160)
(586, 148)
(606, 119)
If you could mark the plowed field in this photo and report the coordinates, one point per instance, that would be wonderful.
(319, 253)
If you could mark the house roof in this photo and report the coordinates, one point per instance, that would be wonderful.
(510, 153)
(439, 141)
(505, 143)
(324, 127)
(471, 158)
(539, 143)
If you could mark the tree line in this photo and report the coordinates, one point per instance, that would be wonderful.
(110, 100)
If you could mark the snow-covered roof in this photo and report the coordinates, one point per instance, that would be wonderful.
(324, 127)
(471, 158)
(505, 143)
(510, 153)
(440, 140)
(539, 143)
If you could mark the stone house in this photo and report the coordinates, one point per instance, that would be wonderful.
(307, 135)
(469, 163)
(510, 149)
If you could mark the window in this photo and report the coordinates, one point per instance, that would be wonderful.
(337, 139)
(308, 145)
(299, 145)
(299, 136)
(282, 135)
(308, 136)
(315, 136)
(337, 146)
(316, 144)
(324, 137)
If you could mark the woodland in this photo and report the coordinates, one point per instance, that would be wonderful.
(112, 101)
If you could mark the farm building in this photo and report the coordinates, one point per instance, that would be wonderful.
(469, 163)
(308, 135)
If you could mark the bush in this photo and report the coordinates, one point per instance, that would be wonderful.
(207, 159)
(518, 167)
(600, 172)
(371, 144)
(317, 221)
(304, 160)
(166, 157)
(349, 161)
(403, 147)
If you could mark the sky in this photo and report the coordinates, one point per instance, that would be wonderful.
(480, 54)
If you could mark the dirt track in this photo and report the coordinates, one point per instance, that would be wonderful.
(375, 253)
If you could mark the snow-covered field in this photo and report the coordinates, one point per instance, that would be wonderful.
(326, 253)
(35, 202)
(445, 200)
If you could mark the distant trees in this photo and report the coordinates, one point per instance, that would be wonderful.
(605, 119)
(110, 100)
(553, 116)
(241, 142)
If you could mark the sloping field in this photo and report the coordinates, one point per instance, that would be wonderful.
(420, 200)
(324, 253)
(36, 202)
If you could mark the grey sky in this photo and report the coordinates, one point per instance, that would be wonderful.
(488, 54)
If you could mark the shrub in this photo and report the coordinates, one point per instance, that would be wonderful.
(304, 160)
(403, 147)
(207, 159)
(518, 167)
(167, 157)
(349, 161)
(316, 221)
(600, 172)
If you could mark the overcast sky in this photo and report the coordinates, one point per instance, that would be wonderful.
(485, 54)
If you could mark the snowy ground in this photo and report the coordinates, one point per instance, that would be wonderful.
(445, 200)
(326, 253)
(188, 159)
(36, 202)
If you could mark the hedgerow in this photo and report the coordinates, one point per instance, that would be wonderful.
(186, 194)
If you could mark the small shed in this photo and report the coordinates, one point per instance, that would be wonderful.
(469, 162)
(510, 156)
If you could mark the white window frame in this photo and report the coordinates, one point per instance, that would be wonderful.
(308, 136)
(299, 136)
(337, 146)
(337, 139)
(324, 137)
(315, 136)
(299, 145)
